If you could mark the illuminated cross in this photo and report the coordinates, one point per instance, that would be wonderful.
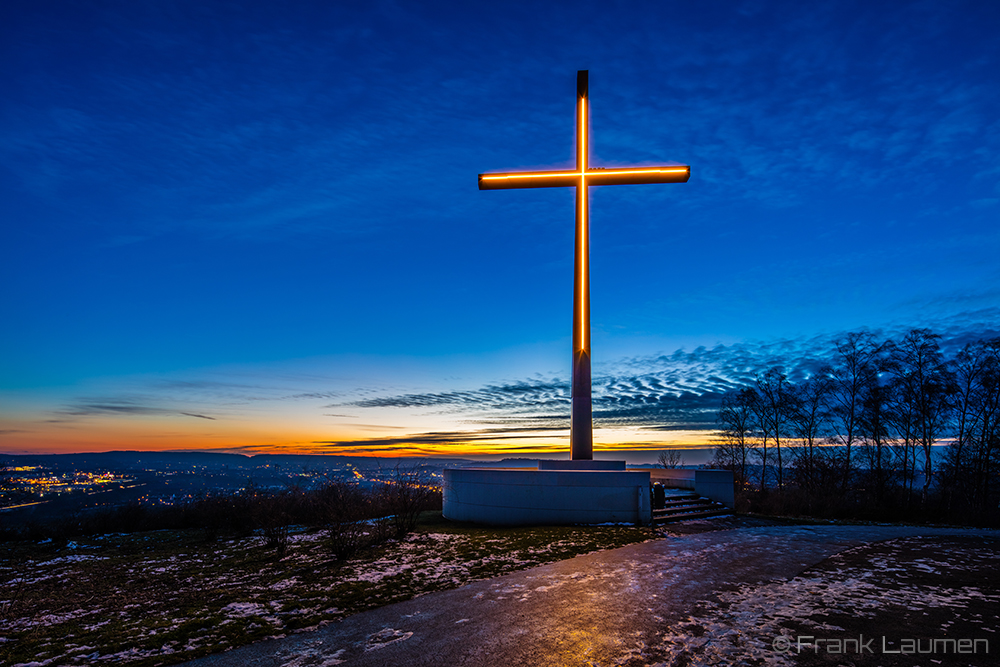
(581, 424)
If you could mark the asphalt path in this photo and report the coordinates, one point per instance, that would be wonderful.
(605, 608)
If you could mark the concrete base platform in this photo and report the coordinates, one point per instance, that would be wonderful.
(569, 492)
(544, 464)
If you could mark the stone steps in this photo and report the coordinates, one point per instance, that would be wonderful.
(688, 506)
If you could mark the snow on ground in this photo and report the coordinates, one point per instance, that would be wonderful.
(170, 595)
(217, 596)
(745, 625)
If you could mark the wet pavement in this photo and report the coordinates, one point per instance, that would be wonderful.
(607, 608)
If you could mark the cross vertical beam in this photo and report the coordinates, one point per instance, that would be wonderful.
(581, 433)
(581, 422)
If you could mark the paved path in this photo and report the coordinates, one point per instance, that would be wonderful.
(606, 608)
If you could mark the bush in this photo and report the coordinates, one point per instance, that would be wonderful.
(404, 496)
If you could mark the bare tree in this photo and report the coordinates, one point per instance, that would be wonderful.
(810, 419)
(670, 459)
(974, 454)
(737, 433)
(885, 407)
(874, 432)
(856, 354)
(903, 421)
(925, 385)
(775, 410)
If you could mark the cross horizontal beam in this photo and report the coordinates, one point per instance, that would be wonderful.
(599, 176)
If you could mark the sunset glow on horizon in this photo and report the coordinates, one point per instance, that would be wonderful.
(270, 428)
(165, 435)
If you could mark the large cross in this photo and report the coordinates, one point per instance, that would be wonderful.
(581, 423)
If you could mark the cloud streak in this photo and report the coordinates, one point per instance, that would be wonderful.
(123, 407)
(680, 391)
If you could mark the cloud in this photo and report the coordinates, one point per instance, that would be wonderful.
(678, 391)
(514, 397)
(113, 407)
(191, 414)
(122, 407)
(636, 397)
(444, 438)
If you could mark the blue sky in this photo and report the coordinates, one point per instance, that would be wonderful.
(265, 215)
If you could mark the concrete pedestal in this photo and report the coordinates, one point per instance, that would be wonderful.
(557, 493)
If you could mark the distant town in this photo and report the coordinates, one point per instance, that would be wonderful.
(41, 488)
